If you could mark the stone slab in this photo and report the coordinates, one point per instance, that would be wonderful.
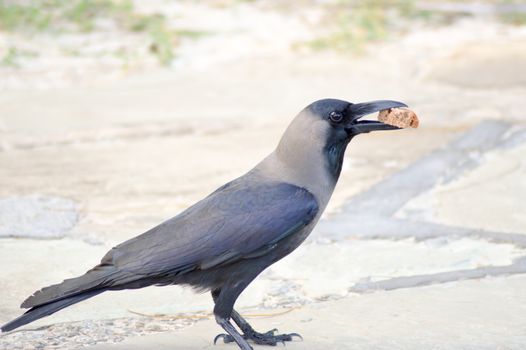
(484, 314)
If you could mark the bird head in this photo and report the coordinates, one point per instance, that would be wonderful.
(343, 120)
(330, 121)
(325, 127)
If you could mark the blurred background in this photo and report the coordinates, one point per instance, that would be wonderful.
(116, 115)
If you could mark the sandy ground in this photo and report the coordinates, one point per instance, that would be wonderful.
(84, 166)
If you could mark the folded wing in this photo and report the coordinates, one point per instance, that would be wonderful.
(238, 221)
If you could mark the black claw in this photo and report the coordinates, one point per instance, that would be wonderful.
(217, 337)
(226, 338)
(271, 332)
(295, 335)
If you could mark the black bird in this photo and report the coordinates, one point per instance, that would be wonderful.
(224, 241)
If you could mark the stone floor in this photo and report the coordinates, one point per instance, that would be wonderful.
(422, 247)
(479, 314)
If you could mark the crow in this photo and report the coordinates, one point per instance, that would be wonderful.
(223, 242)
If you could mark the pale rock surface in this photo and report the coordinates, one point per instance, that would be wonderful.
(124, 155)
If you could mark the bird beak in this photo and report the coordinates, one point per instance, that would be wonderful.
(358, 110)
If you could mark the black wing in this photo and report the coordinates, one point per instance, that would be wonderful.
(240, 220)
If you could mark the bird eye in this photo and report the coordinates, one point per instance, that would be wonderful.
(335, 117)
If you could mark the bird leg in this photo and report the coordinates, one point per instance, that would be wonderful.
(232, 335)
(224, 304)
(267, 338)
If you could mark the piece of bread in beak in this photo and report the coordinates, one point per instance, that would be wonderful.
(400, 117)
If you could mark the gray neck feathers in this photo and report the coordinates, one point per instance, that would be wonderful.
(303, 159)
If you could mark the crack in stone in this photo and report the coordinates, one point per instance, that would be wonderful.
(442, 165)
(373, 227)
(442, 277)
(376, 206)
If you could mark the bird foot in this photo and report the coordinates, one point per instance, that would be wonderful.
(267, 338)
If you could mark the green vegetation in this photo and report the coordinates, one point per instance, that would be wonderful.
(10, 57)
(511, 16)
(350, 24)
(14, 17)
(13, 54)
(515, 18)
(33, 17)
(356, 23)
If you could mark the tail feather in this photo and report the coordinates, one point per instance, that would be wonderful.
(93, 279)
(51, 299)
(44, 310)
